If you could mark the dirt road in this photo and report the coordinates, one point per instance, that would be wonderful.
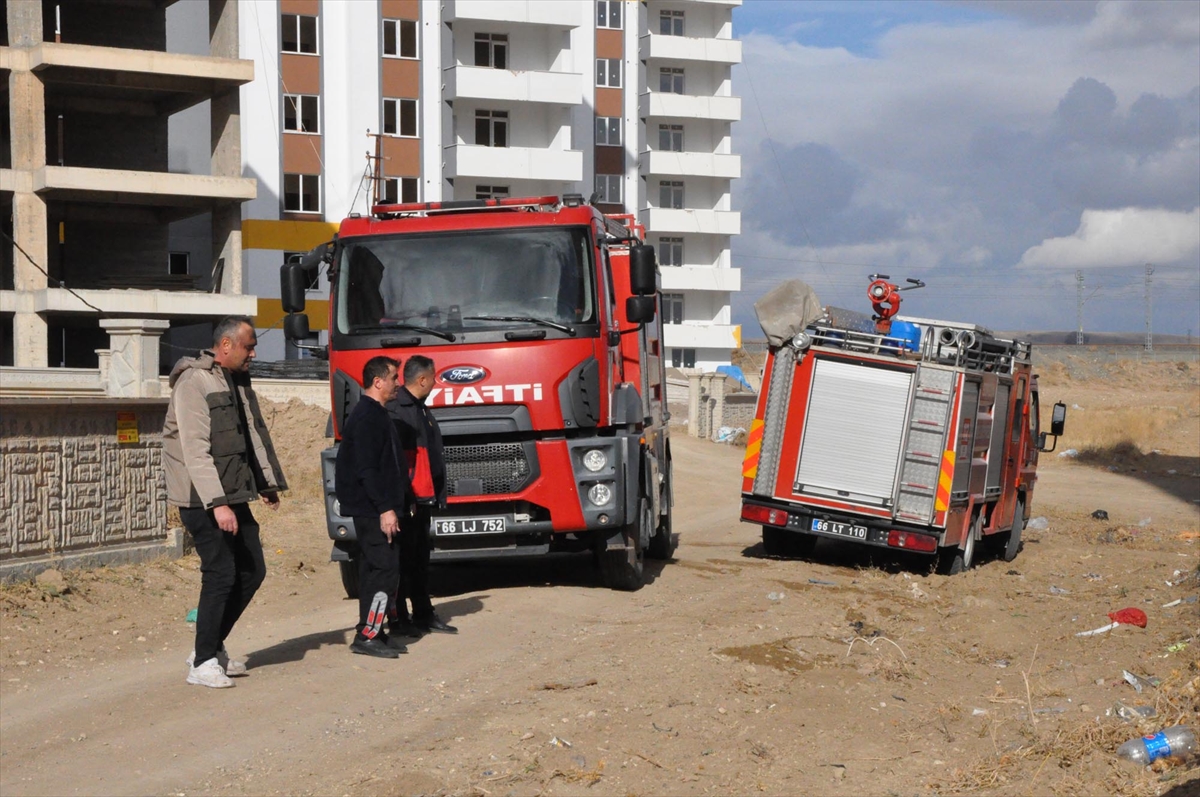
(729, 673)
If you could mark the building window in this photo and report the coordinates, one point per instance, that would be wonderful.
(491, 128)
(395, 190)
(670, 80)
(608, 188)
(301, 113)
(672, 304)
(491, 191)
(608, 72)
(177, 263)
(302, 193)
(400, 118)
(299, 34)
(670, 194)
(670, 251)
(670, 23)
(608, 131)
(491, 49)
(608, 13)
(400, 38)
(670, 138)
(683, 358)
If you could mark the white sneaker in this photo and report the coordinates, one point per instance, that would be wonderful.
(209, 673)
(232, 667)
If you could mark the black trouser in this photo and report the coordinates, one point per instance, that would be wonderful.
(378, 575)
(231, 571)
(414, 564)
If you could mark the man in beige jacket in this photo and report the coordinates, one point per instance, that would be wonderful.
(218, 458)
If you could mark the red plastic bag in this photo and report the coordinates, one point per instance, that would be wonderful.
(1129, 617)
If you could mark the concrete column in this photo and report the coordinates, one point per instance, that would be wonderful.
(27, 128)
(133, 356)
(226, 130)
(693, 404)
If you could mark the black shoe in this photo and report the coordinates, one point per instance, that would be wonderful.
(373, 647)
(404, 628)
(395, 644)
(435, 623)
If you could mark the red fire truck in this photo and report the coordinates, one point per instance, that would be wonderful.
(912, 433)
(541, 316)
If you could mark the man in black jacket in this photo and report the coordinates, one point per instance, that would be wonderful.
(421, 441)
(369, 483)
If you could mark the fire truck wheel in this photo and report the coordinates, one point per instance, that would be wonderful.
(662, 544)
(349, 577)
(775, 541)
(952, 561)
(622, 570)
(1012, 545)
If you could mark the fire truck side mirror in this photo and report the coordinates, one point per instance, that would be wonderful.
(292, 282)
(1058, 419)
(639, 309)
(295, 326)
(643, 271)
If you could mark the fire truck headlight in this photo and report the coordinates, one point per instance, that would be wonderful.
(600, 494)
(802, 340)
(595, 460)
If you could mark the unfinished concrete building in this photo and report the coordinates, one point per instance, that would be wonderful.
(86, 192)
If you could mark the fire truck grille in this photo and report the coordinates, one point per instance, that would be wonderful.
(501, 467)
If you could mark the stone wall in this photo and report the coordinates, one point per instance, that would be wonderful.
(713, 402)
(75, 488)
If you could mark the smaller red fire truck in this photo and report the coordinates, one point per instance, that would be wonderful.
(908, 433)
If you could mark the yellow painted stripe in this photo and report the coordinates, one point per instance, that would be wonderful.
(286, 236)
(270, 314)
(945, 481)
(737, 336)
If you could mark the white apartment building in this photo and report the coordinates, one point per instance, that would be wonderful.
(630, 101)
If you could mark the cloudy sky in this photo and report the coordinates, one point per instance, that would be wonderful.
(989, 148)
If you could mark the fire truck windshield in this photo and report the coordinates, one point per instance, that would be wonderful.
(455, 282)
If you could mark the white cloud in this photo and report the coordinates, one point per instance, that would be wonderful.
(1128, 237)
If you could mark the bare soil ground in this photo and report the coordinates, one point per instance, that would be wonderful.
(729, 673)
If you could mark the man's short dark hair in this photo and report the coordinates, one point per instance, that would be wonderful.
(228, 327)
(416, 365)
(377, 368)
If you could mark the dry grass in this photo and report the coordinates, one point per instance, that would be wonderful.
(1121, 428)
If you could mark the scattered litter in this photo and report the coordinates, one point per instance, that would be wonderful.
(1050, 710)
(557, 742)
(1177, 647)
(1100, 514)
(822, 583)
(901, 699)
(1129, 616)
(1190, 599)
(1059, 590)
(774, 596)
(1012, 573)
(917, 592)
(191, 616)
(1070, 453)
(1175, 602)
(1134, 713)
(1040, 523)
(555, 686)
(1077, 407)
(1001, 663)
(729, 434)
(1177, 742)
(1144, 522)
(1093, 576)
(978, 712)
(1133, 681)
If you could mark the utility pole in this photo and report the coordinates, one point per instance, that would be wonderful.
(1078, 307)
(1149, 309)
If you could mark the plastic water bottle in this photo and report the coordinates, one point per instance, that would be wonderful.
(1178, 741)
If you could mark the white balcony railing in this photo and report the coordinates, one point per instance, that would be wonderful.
(700, 278)
(530, 12)
(700, 336)
(483, 83)
(712, 222)
(684, 48)
(698, 164)
(514, 163)
(689, 106)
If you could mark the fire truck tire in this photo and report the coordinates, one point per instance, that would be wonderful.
(1012, 545)
(623, 570)
(775, 541)
(952, 561)
(349, 571)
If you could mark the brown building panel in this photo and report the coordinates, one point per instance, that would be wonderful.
(610, 43)
(401, 78)
(401, 157)
(610, 160)
(608, 102)
(309, 8)
(400, 9)
(301, 154)
(300, 73)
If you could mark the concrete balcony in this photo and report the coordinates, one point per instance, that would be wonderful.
(688, 106)
(711, 222)
(173, 195)
(514, 163)
(700, 278)
(483, 83)
(695, 335)
(690, 164)
(528, 12)
(129, 303)
(685, 48)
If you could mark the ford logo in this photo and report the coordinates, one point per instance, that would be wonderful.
(462, 374)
